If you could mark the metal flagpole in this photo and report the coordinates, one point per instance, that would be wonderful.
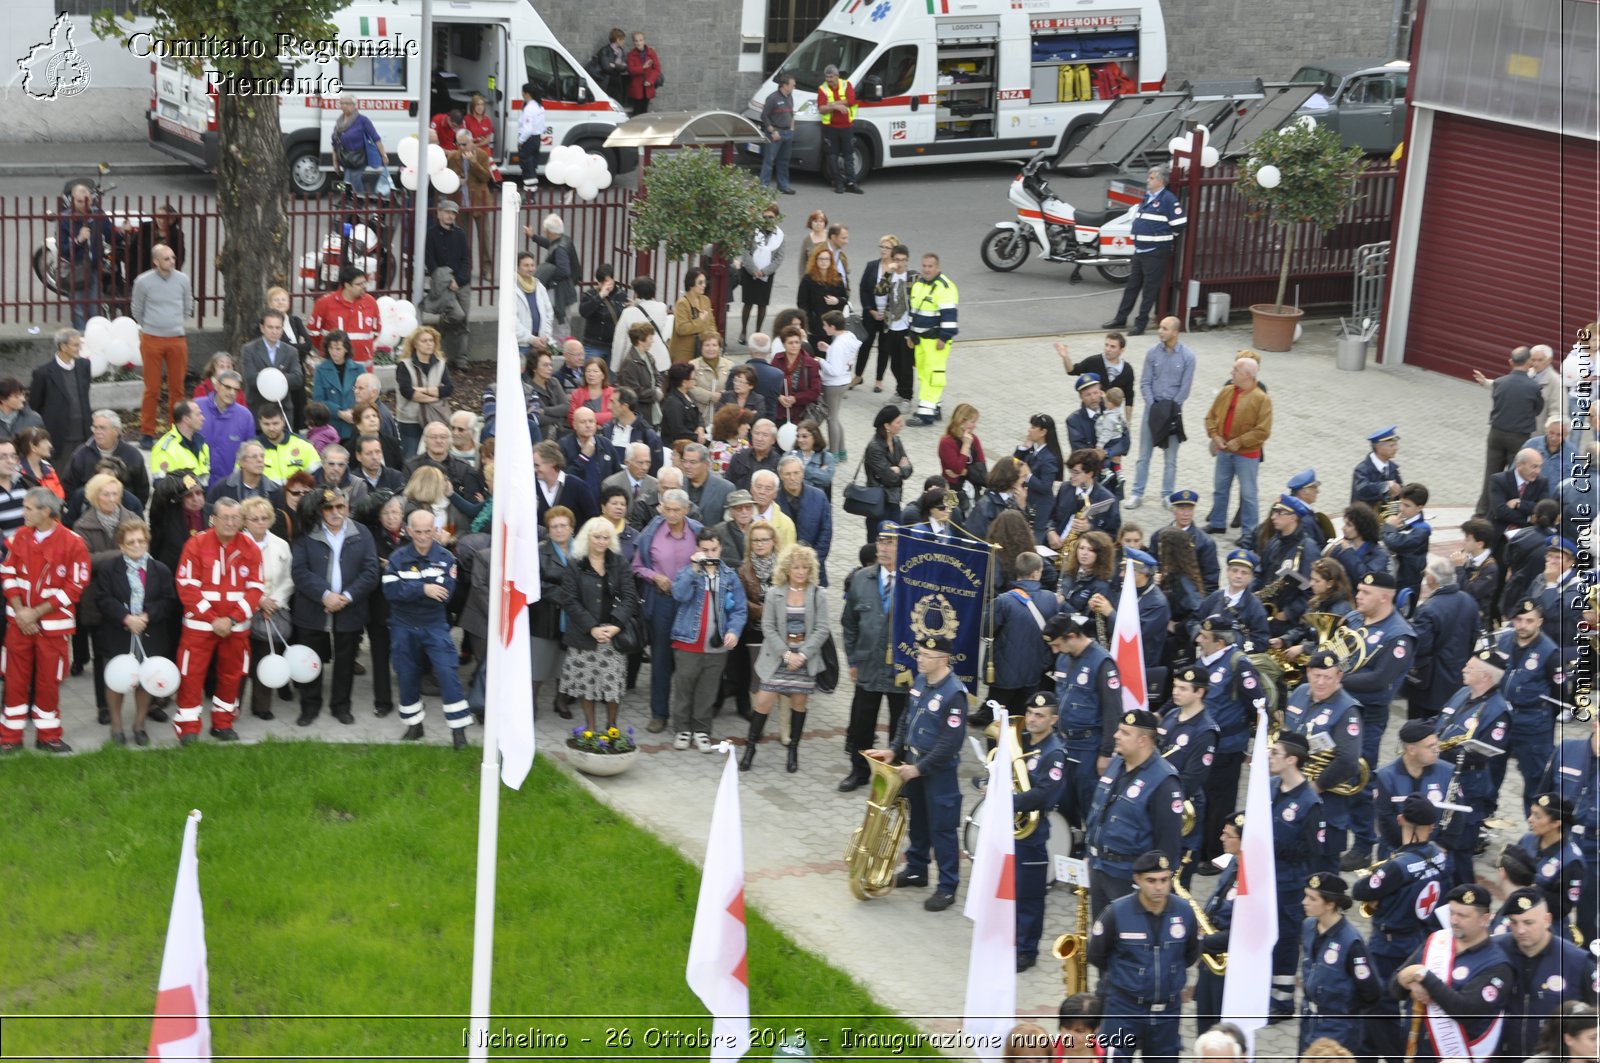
(419, 223)
(489, 770)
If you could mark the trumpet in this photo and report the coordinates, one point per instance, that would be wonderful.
(1369, 908)
(1073, 950)
(1025, 822)
(1216, 964)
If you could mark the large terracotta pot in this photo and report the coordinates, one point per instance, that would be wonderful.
(1273, 329)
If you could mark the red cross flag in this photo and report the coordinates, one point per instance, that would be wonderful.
(992, 907)
(182, 1026)
(717, 952)
(1248, 984)
(1127, 642)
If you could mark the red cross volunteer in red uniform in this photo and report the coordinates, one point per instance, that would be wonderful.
(219, 584)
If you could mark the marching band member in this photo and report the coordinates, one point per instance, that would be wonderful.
(1533, 674)
(1046, 764)
(1089, 696)
(1574, 773)
(1320, 709)
(1299, 832)
(1138, 807)
(1188, 740)
(1235, 696)
(1417, 770)
(1548, 971)
(1336, 976)
(1557, 863)
(1284, 577)
(1462, 979)
(1477, 711)
(1377, 479)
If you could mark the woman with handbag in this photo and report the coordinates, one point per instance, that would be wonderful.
(794, 625)
(598, 593)
(422, 380)
(802, 378)
(811, 447)
(637, 370)
(692, 319)
(267, 628)
(136, 596)
(355, 144)
(887, 468)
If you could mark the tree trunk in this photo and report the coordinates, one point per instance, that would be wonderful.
(1283, 269)
(252, 190)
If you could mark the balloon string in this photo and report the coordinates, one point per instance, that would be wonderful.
(137, 645)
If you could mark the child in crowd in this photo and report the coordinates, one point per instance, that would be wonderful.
(1109, 427)
(319, 429)
(1406, 536)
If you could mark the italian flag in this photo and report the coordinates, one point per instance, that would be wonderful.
(369, 24)
(938, 7)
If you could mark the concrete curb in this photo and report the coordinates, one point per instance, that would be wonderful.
(73, 169)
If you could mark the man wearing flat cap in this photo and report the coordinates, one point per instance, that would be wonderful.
(1324, 715)
(1138, 807)
(1534, 674)
(1377, 479)
(928, 747)
(1557, 863)
(1283, 579)
(1460, 982)
(1548, 971)
(1338, 980)
(1404, 889)
(1144, 944)
(1188, 741)
(1235, 696)
(1417, 770)
(1155, 612)
(1389, 641)
(1089, 695)
(1299, 831)
(1477, 711)
(1574, 773)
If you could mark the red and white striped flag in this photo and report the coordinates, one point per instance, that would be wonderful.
(718, 952)
(182, 1026)
(1127, 643)
(992, 907)
(1247, 988)
(514, 551)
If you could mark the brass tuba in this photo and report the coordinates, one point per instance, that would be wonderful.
(1073, 950)
(1216, 964)
(1025, 822)
(874, 847)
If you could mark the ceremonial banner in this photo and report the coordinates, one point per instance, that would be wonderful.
(941, 583)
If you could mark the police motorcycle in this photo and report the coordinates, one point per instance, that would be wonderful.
(361, 233)
(54, 269)
(1102, 239)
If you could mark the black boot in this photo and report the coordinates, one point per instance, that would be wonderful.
(797, 724)
(758, 723)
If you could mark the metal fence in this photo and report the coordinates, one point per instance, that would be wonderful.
(1240, 254)
(323, 234)
(1370, 281)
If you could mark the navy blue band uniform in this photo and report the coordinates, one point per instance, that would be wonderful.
(1235, 696)
(1190, 746)
(1533, 672)
(931, 734)
(1389, 643)
(1218, 910)
(1487, 720)
(1574, 773)
(1144, 960)
(1283, 596)
(1558, 874)
(1394, 784)
(1558, 972)
(1136, 810)
(1476, 995)
(1299, 831)
(1337, 981)
(1047, 777)
(1337, 720)
(1089, 698)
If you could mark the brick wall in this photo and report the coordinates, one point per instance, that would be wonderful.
(1221, 39)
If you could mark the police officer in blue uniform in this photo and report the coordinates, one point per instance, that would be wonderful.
(1089, 696)
(1045, 759)
(1322, 713)
(1305, 487)
(418, 584)
(1406, 888)
(1283, 580)
(1299, 832)
(1218, 911)
(1236, 601)
(1548, 971)
(1377, 479)
(1389, 641)
(1144, 945)
(1235, 695)
(1465, 974)
(1557, 863)
(1574, 773)
(1188, 740)
(1138, 807)
(1533, 673)
(1155, 613)
(1417, 770)
(1336, 977)
(1478, 711)
(929, 745)
(1155, 231)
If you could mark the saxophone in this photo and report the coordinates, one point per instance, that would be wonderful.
(1270, 592)
(870, 856)
(1216, 964)
(1073, 950)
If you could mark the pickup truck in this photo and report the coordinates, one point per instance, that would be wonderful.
(1363, 100)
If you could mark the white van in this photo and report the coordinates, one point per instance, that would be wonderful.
(939, 80)
(487, 46)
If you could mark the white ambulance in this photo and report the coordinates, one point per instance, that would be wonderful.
(941, 80)
(486, 46)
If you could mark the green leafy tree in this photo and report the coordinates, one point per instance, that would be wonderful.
(692, 201)
(252, 177)
(1316, 177)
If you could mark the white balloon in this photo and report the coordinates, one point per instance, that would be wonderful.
(362, 239)
(1209, 156)
(587, 192)
(1268, 176)
(388, 337)
(125, 330)
(436, 159)
(405, 308)
(122, 673)
(271, 384)
(786, 435)
(1307, 122)
(304, 664)
(97, 333)
(385, 305)
(159, 677)
(446, 181)
(1298, 332)
(407, 150)
(125, 355)
(408, 177)
(272, 671)
(99, 363)
(605, 179)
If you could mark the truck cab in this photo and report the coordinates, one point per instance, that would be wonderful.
(1364, 102)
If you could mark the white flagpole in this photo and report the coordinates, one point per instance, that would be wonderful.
(489, 770)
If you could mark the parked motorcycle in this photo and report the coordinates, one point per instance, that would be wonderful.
(362, 235)
(53, 269)
(1102, 239)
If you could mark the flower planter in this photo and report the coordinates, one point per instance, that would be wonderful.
(1273, 329)
(601, 763)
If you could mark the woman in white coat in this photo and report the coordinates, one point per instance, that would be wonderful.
(273, 612)
(533, 336)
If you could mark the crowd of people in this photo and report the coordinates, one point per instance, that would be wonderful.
(687, 502)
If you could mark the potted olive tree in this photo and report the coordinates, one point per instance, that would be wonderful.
(695, 204)
(1296, 175)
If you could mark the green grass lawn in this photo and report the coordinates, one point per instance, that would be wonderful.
(338, 891)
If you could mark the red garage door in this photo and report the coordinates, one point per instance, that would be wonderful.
(1508, 252)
